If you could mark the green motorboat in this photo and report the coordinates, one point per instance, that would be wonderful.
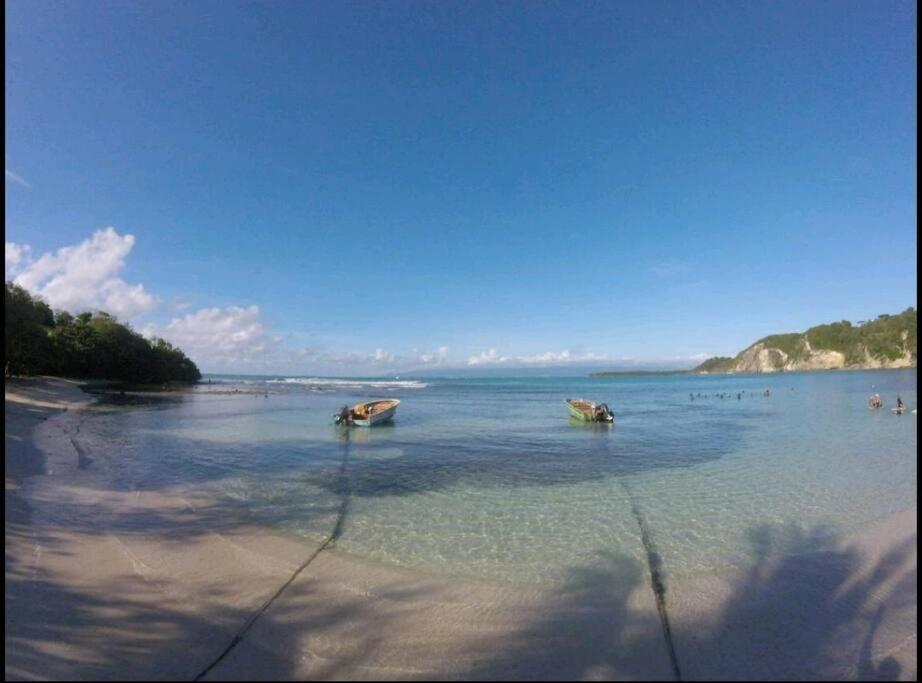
(588, 411)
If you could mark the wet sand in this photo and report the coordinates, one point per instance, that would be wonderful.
(104, 584)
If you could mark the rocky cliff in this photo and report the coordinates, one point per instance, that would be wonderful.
(887, 342)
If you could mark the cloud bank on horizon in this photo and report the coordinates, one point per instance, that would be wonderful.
(491, 357)
(88, 277)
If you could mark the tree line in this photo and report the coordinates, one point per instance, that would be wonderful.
(886, 338)
(88, 345)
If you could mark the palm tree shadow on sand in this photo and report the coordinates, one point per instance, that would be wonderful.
(807, 609)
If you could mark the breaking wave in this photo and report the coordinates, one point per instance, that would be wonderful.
(326, 383)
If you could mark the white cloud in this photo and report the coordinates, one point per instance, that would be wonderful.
(179, 304)
(382, 356)
(237, 339)
(219, 336)
(84, 276)
(15, 257)
(16, 178)
(379, 360)
(548, 357)
(378, 357)
(562, 358)
(487, 357)
(491, 357)
(436, 357)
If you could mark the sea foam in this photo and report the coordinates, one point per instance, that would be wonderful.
(326, 382)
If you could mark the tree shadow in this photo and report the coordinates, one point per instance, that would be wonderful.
(587, 630)
(143, 624)
(21, 458)
(810, 608)
(409, 466)
(131, 631)
(492, 461)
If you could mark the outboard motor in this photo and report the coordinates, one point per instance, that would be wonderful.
(342, 416)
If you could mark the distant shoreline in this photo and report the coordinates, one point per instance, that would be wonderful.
(619, 373)
(705, 373)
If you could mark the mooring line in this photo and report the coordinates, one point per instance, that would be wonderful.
(83, 459)
(337, 532)
(655, 564)
(346, 490)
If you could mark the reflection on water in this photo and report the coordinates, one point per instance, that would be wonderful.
(106, 399)
(355, 434)
(493, 478)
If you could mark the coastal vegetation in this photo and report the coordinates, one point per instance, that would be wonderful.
(887, 341)
(89, 345)
(628, 373)
(716, 364)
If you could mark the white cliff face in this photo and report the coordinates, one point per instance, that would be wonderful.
(762, 358)
(818, 359)
(904, 361)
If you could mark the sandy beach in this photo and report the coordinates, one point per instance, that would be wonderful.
(114, 584)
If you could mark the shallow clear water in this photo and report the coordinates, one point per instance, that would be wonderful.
(490, 478)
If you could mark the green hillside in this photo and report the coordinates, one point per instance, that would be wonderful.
(887, 338)
(716, 364)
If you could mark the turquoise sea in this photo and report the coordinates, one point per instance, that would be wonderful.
(489, 478)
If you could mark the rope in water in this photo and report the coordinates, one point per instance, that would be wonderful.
(654, 562)
(337, 532)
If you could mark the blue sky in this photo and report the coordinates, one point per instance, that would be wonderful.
(370, 187)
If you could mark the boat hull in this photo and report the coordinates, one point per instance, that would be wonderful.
(578, 414)
(374, 412)
(377, 418)
(583, 415)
